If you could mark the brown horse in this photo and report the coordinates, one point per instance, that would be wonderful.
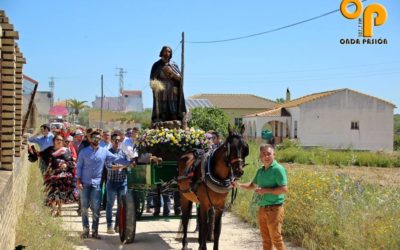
(206, 179)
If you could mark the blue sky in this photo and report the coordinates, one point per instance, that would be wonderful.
(76, 41)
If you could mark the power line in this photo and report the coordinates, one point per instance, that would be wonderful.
(271, 30)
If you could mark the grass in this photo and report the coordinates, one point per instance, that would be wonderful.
(36, 229)
(290, 152)
(327, 209)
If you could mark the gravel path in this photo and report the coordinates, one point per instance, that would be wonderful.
(161, 234)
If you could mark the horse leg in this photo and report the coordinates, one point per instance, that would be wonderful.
(210, 220)
(203, 228)
(186, 208)
(217, 227)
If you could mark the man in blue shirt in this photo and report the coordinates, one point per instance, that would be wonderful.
(44, 141)
(116, 184)
(106, 141)
(89, 168)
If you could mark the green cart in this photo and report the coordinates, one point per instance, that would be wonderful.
(144, 179)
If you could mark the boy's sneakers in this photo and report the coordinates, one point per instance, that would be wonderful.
(110, 230)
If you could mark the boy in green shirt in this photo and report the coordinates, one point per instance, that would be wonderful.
(270, 181)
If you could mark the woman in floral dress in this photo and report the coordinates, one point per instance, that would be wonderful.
(59, 176)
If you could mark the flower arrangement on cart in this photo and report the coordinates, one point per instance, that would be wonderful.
(171, 143)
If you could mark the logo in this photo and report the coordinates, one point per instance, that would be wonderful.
(373, 15)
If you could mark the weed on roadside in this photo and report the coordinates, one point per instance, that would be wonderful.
(36, 228)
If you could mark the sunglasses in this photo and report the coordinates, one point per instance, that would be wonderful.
(117, 140)
(58, 139)
(96, 138)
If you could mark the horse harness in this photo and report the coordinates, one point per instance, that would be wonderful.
(204, 161)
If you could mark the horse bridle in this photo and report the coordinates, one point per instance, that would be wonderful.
(229, 163)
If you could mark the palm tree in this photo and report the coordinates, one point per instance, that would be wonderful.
(76, 106)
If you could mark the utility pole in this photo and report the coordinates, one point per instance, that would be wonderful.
(120, 74)
(101, 104)
(183, 58)
(52, 85)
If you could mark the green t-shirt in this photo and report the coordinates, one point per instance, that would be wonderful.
(274, 176)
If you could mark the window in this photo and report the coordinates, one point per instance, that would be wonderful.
(238, 122)
(354, 125)
(295, 129)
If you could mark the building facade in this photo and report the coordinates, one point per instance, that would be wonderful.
(338, 119)
(130, 100)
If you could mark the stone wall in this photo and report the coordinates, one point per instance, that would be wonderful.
(13, 162)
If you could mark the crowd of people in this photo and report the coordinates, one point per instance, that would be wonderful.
(77, 164)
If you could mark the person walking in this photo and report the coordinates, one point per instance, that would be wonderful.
(58, 178)
(106, 141)
(116, 184)
(44, 141)
(90, 166)
(270, 182)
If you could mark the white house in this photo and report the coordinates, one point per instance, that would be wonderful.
(336, 119)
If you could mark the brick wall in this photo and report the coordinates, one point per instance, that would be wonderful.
(13, 160)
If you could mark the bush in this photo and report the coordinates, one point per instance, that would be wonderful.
(292, 153)
(396, 142)
(209, 119)
(288, 143)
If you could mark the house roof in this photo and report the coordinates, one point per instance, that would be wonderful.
(277, 112)
(309, 98)
(241, 101)
(131, 92)
(58, 110)
(198, 103)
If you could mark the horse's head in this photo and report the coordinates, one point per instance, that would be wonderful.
(236, 150)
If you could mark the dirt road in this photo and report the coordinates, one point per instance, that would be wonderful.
(159, 235)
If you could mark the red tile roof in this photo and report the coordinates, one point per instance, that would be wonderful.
(131, 92)
(241, 101)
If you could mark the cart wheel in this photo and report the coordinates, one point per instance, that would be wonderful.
(140, 199)
(127, 217)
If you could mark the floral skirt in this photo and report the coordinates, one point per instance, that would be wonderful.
(60, 187)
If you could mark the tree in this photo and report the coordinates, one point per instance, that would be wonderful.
(397, 124)
(209, 119)
(76, 106)
(280, 100)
